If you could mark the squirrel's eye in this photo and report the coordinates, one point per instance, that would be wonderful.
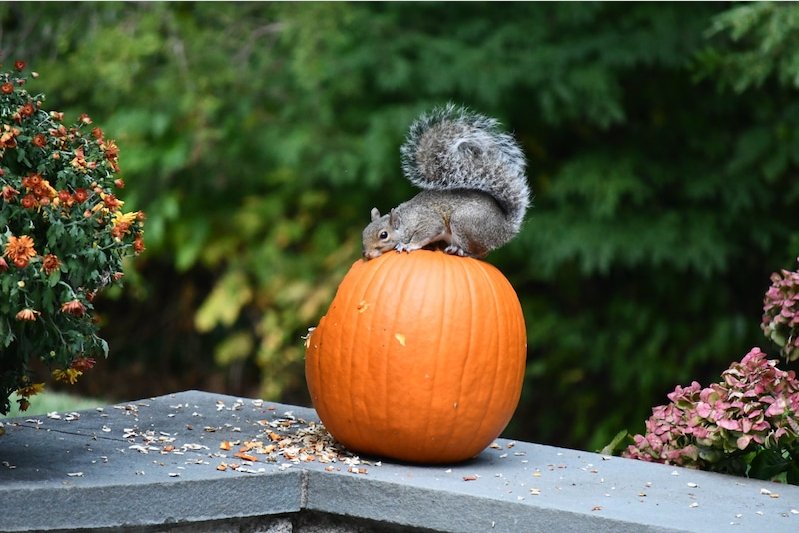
(383, 235)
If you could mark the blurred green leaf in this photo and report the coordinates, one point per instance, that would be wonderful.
(224, 303)
(235, 347)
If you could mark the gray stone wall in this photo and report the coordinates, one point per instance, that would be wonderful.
(194, 462)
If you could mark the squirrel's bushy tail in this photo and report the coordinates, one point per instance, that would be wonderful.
(453, 148)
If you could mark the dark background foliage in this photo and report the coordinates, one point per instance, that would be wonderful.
(662, 143)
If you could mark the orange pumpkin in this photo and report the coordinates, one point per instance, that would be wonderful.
(419, 358)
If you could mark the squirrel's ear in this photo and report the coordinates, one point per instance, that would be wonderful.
(393, 219)
(375, 214)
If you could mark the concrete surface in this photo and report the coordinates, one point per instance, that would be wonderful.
(156, 465)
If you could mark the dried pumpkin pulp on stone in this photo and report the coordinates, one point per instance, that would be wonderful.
(420, 357)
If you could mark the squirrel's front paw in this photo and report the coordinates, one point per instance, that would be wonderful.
(456, 250)
(405, 247)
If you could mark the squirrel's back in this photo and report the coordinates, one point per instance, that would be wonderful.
(453, 148)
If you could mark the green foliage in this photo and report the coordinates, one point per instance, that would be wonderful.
(775, 464)
(757, 43)
(662, 199)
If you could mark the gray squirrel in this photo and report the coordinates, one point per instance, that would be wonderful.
(475, 190)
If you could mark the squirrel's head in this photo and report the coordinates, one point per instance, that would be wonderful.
(381, 234)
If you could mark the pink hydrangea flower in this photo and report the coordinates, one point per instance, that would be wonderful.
(755, 404)
(780, 321)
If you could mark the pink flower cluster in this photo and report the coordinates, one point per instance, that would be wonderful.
(756, 404)
(781, 313)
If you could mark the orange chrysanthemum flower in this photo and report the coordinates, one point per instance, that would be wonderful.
(80, 162)
(8, 137)
(82, 364)
(20, 250)
(39, 140)
(27, 314)
(39, 187)
(50, 264)
(32, 181)
(30, 390)
(111, 201)
(81, 195)
(70, 375)
(121, 223)
(29, 201)
(9, 193)
(26, 110)
(73, 307)
(111, 150)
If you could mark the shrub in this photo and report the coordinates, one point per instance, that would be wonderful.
(63, 236)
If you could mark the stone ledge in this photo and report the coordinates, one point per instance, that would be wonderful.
(80, 473)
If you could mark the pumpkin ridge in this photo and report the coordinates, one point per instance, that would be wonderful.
(446, 423)
(518, 325)
(341, 404)
(450, 274)
(395, 276)
(430, 399)
(343, 345)
(400, 278)
(352, 355)
(458, 271)
(384, 360)
(476, 318)
(366, 287)
(372, 285)
(491, 284)
(514, 376)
